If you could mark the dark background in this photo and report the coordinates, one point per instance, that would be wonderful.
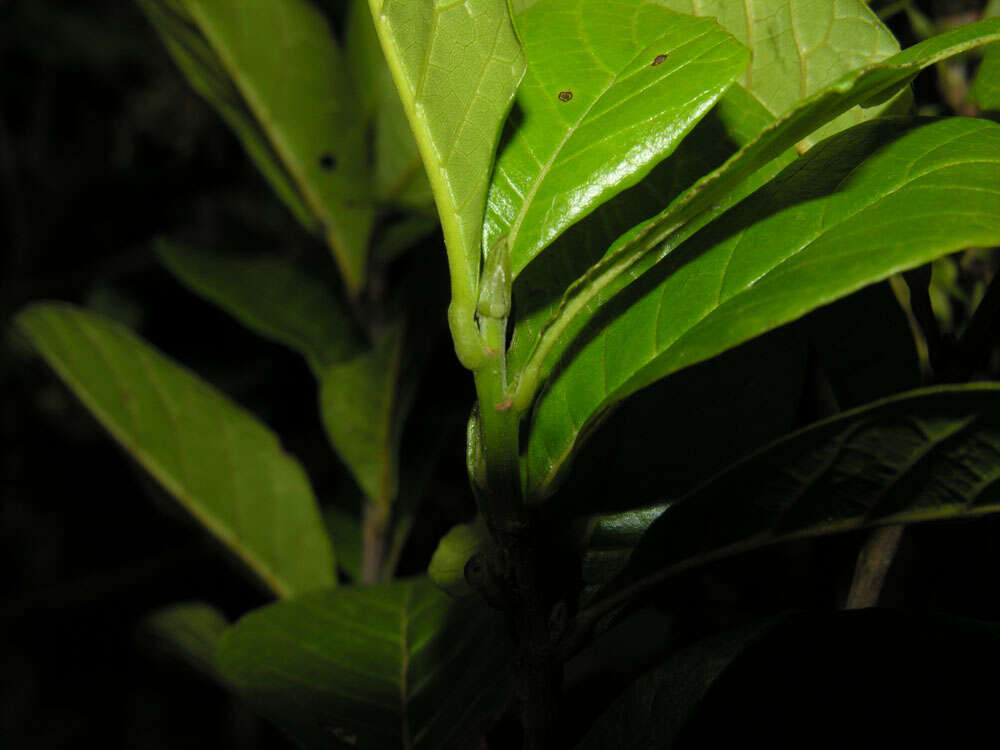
(102, 148)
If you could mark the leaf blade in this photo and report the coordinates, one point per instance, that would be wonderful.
(585, 88)
(681, 296)
(303, 137)
(181, 430)
(388, 666)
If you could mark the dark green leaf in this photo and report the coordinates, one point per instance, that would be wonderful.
(925, 455)
(610, 90)
(271, 297)
(226, 468)
(872, 201)
(345, 533)
(400, 665)
(306, 137)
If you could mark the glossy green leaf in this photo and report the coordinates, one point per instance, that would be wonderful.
(611, 88)
(359, 406)
(226, 468)
(985, 89)
(192, 630)
(925, 455)
(799, 47)
(649, 242)
(306, 137)
(611, 539)
(397, 169)
(456, 66)
(400, 665)
(271, 297)
(874, 200)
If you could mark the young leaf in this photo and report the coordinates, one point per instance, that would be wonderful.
(447, 568)
(192, 629)
(303, 137)
(925, 455)
(400, 665)
(358, 403)
(879, 198)
(271, 297)
(226, 468)
(456, 66)
(611, 88)
(648, 243)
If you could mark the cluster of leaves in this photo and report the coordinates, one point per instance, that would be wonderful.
(630, 192)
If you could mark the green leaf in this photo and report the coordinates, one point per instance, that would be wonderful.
(648, 243)
(272, 298)
(400, 665)
(655, 707)
(192, 629)
(226, 468)
(456, 66)
(872, 201)
(611, 88)
(986, 88)
(359, 406)
(398, 171)
(306, 137)
(925, 455)
(798, 48)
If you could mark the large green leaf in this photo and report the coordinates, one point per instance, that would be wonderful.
(272, 297)
(306, 137)
(925, 455)
(456, 66)
(400, 665)
(398, 171)
(877, 199)
(610, 90)
(649, 242)
(226, 468)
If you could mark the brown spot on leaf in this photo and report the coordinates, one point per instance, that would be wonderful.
(565, 96)
(658, 60)
(328, 161)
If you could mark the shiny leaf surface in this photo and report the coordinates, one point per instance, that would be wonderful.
(610, 90)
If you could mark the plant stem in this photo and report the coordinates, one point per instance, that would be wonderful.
(873, 565)
(375, 526)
